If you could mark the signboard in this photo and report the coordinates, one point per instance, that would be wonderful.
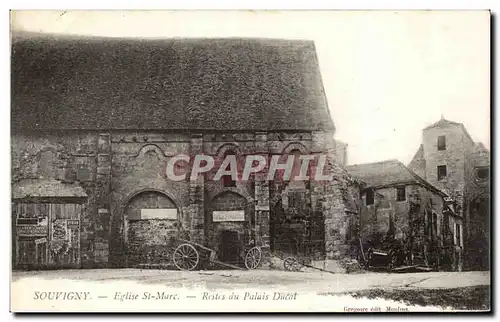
(32, 230)
(161, 213)
(59, 230)
(73, 222)
(40, 241)
(233, 215)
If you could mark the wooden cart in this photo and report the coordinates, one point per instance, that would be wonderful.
(393, 258)
(294, 245)
(295, 261)
(189, 255)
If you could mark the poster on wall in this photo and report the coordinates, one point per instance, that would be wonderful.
(59, 230)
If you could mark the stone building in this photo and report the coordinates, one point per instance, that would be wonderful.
(94, 122)
(449, 159)
(341, 152)
(399, 206)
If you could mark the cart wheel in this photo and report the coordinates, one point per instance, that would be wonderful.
(292, 264)
(186, 257)
(253, 257)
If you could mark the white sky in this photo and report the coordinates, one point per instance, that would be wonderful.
(386, 74)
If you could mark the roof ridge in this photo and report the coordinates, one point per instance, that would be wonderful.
(366, 171)
(376, 162)
(442, 121)
(419, 178)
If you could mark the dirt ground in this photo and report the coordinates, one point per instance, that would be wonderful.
(462, 298)
(313, 280)
(458, 290)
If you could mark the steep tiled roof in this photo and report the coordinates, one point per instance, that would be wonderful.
(387, 173)
(419, 155)
(444, 122)
(480, 148)
(417, 164)
(171, 84)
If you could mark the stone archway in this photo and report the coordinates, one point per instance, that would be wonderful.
(151, 225)
(229, 221)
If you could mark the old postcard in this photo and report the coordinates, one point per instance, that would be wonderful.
(250, 161)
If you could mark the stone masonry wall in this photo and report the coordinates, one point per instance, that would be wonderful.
(454, 157)
(68, 157)
(114, 167)
(461, 184)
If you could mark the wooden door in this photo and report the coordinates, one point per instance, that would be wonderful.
(230, 247)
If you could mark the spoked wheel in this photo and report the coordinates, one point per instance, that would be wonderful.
(186, 257)
(253, 258)
(292, 264)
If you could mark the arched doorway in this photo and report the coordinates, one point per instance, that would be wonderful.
(152, 223)
(228, 226)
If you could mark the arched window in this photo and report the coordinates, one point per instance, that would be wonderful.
(296, 164)
(227, 180)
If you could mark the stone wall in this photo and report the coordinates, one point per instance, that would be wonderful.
(458, 146)
(418, 222)
(462, 158)
(138, 164)
(478, 218)
(341, 207)
(115, 167)
(68, 157)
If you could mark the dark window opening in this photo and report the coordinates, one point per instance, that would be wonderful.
(459, 237)
(428, 226)
(441, 169)
(227, 180)
(483, 173)
(441, 143)
(434, 225)
(296, 164)
(401, 193)
(370, 197)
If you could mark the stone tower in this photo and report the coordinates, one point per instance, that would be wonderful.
(449, 159)
(446, 147)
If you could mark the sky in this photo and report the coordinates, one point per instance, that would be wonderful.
(386, 75)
